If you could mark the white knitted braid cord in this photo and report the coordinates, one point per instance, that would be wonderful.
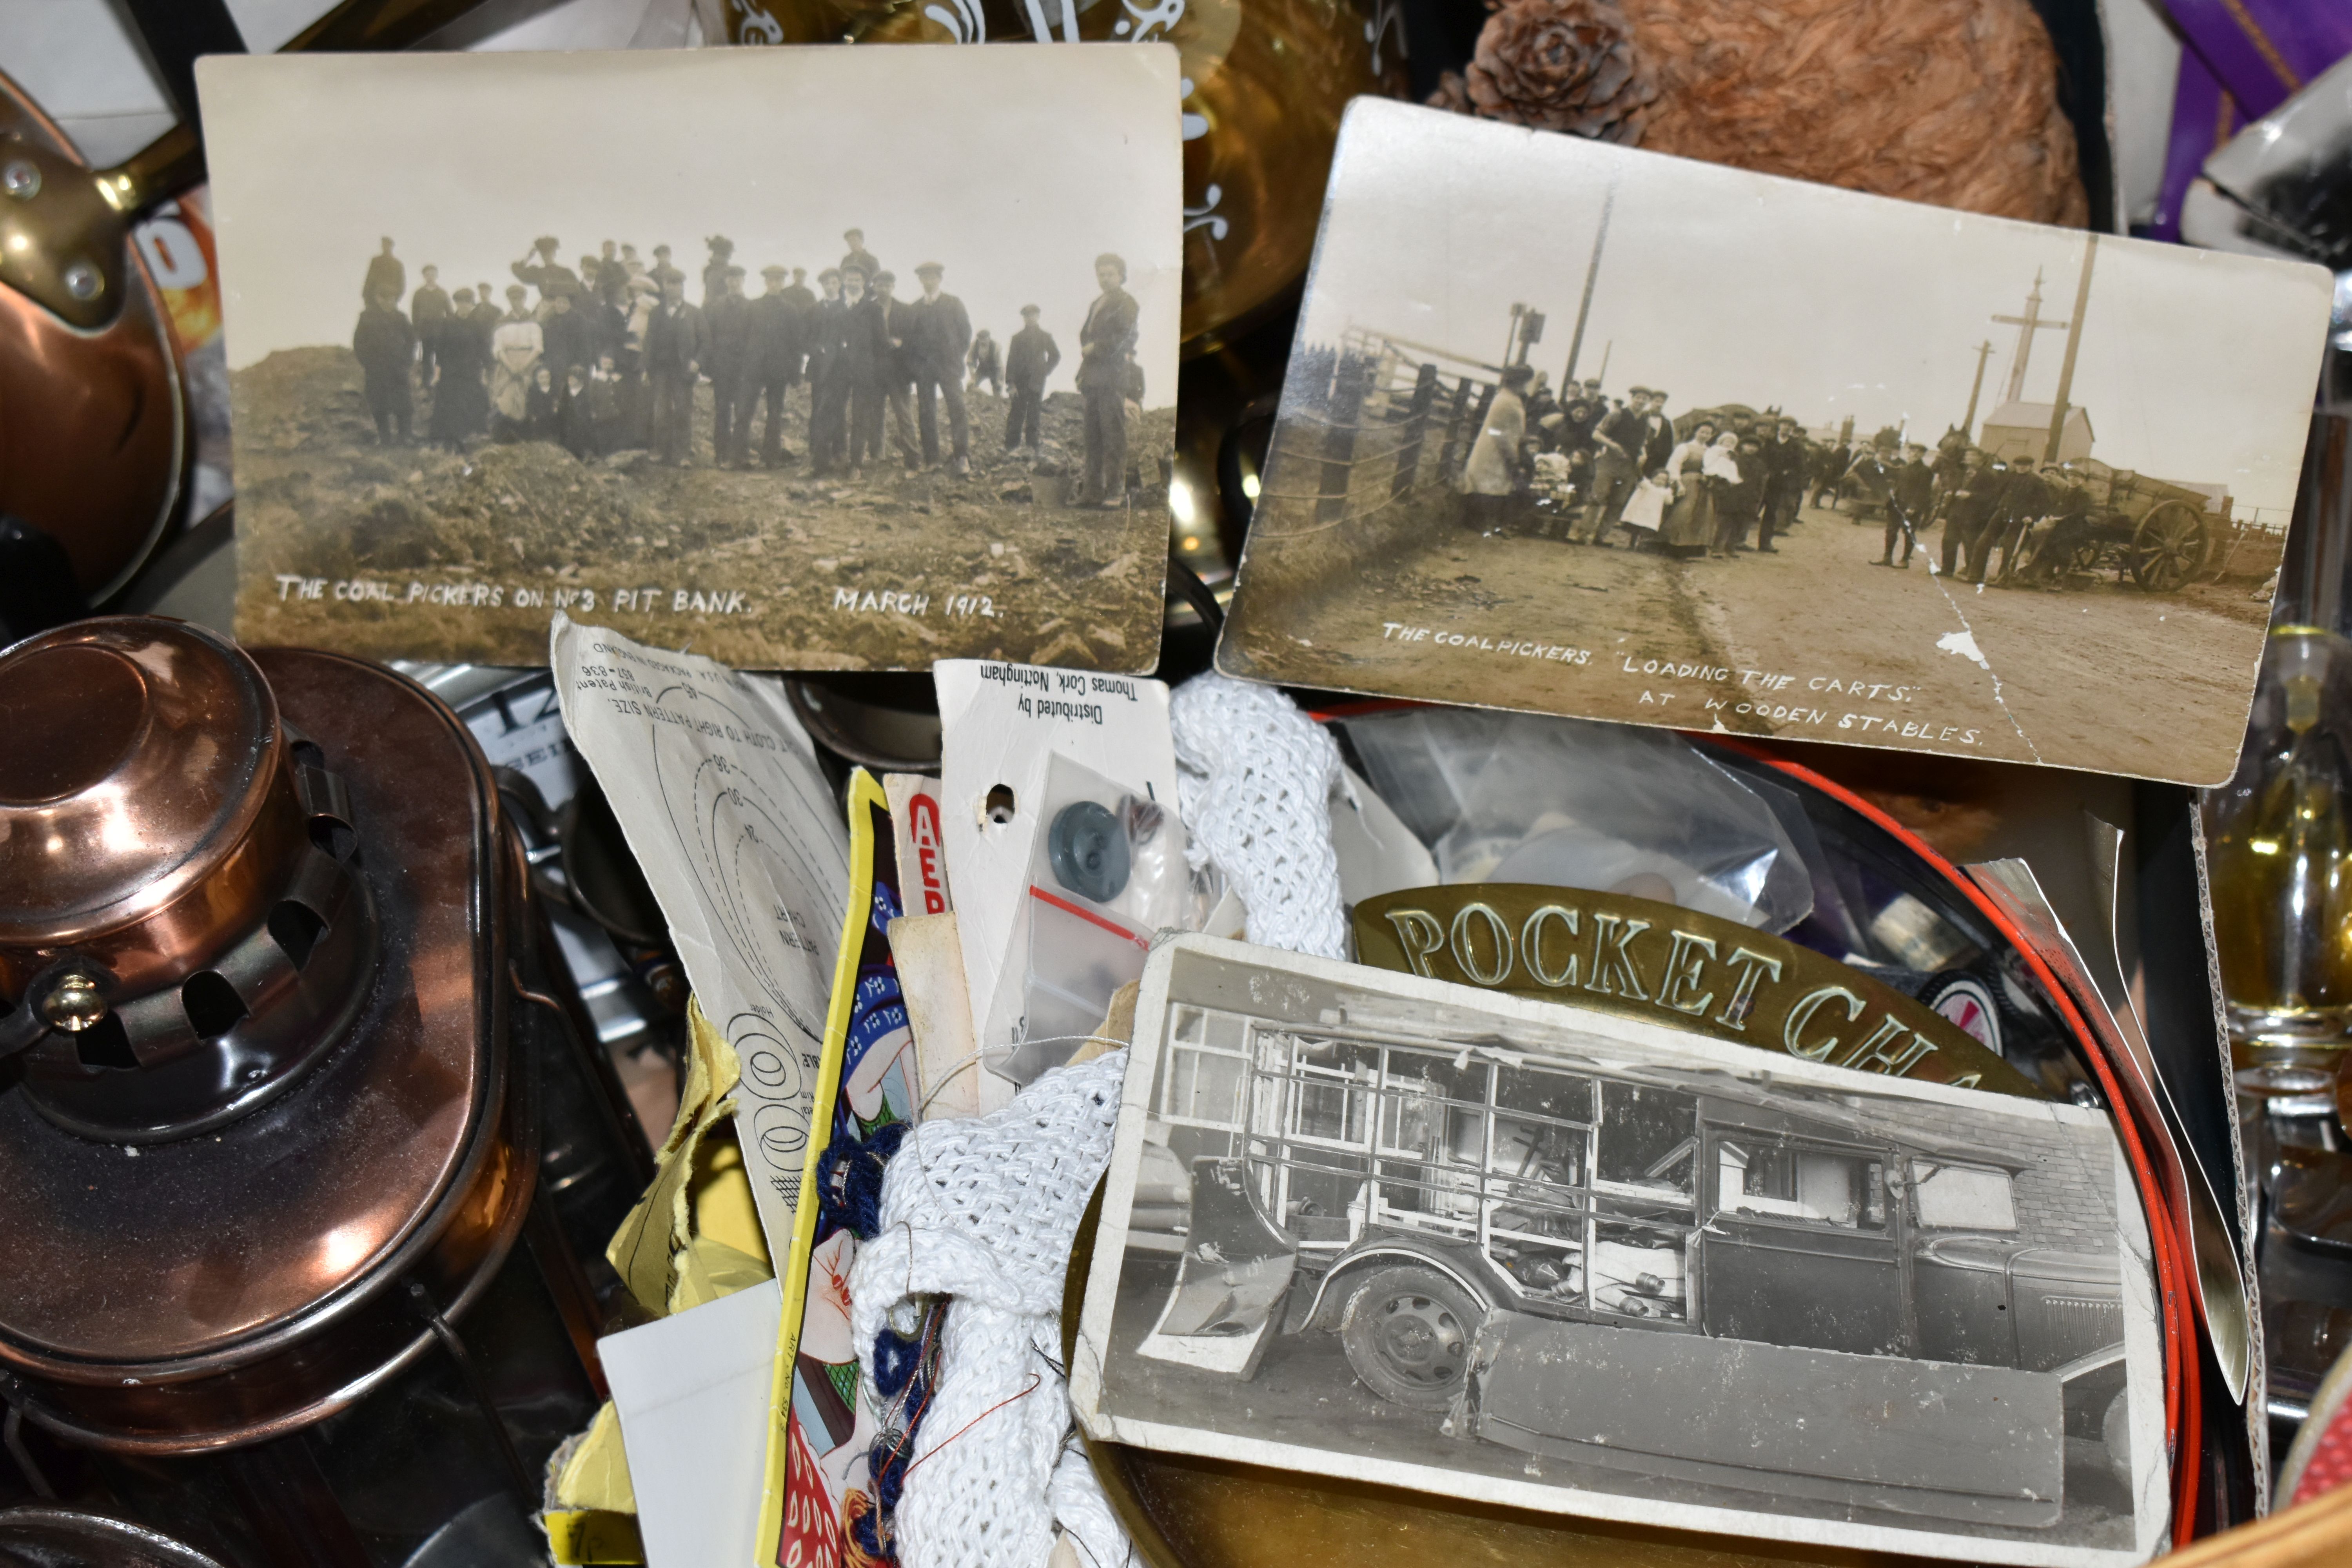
(982, 1210)
(1254, 787)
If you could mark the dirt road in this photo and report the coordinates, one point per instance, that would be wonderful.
(1816, 642)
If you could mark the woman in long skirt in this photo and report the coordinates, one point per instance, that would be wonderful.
(461, 396)
(1690, 519)
(1490, 477)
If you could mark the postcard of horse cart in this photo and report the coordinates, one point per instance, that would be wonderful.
(1583, 429)
(1388, 1229)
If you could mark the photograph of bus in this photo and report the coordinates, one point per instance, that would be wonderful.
(1763, 1289)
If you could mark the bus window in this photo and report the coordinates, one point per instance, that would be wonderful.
(1414, 1099)
(1962, 1197)
(1648, 1137)
(1200, 1076)
(1533, 1142)
(1540, 1091)
(1538, 1152)
(1331, 1093)
(1816, 1186)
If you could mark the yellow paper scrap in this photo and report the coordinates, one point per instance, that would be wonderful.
(720, 1200)
(592, 1536)
(595, 1476)
(644, 1250)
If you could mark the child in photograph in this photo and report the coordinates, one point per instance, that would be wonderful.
(541, 404)
(575, 420)
(605, 406)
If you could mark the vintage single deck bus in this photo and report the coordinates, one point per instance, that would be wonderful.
(1558, 1256)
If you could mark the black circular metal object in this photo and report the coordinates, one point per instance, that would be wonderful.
(606, 883)
(66, 1538)
(1089, 851)
(1408, 1332)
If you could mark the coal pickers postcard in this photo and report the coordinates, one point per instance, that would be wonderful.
(1587, 430)
(800, 358)
(1387, 1229)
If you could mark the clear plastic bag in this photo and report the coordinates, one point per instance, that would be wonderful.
(1106, 873)
(1516, 797)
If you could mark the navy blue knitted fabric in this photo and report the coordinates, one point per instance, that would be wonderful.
(849, 1181)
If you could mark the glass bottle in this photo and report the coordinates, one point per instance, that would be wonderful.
(2280, 838)
(2279, 833)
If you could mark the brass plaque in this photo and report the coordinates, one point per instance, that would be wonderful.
(1641, 959)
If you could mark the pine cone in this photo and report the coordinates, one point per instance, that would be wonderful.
(1453, 94)
(1561, 65)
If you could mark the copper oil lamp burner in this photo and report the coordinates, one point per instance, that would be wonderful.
(276, 1052)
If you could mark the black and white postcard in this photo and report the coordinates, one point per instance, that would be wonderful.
(1587, 430)
(1379, 1228)
(802, 358)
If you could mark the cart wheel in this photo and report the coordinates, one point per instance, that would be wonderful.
(2169, 546)
(1408, 1331)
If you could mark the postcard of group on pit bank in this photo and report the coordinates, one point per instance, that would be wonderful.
(805, 358)
(1586, 430)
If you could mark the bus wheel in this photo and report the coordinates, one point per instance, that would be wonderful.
(1408, 1331)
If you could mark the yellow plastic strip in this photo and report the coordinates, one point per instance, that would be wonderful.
(865, 796)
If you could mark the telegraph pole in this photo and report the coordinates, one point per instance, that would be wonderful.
(1984, 353)
(2073, 342)
(1591, 275)
(2028, 324)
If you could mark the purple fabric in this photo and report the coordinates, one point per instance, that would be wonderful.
(2264, 50)
(2203, 117)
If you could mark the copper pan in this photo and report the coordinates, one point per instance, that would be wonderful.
(93, 425)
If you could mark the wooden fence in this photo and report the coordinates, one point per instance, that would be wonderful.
(1371, 427)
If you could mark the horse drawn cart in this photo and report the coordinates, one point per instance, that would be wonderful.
(2161, 535)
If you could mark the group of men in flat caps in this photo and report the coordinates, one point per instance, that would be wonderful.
(606, 357)
(1577, 467)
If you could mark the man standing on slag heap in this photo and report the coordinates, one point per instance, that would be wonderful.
(726, 326)
(675, 349)
(714, 272)
(773, 351)
(937, 340)
(385, 347)
(542, 271)
(1104, 343)
(1029, 359)
(385, 275)
(430, 312)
